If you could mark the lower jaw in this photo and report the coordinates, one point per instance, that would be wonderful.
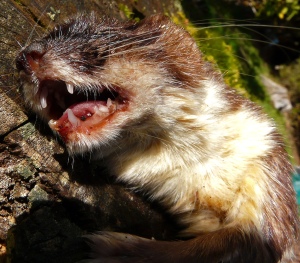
(93, 119)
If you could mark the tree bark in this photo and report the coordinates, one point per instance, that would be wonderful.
(48, 200)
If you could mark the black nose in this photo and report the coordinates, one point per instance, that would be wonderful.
(28, 60)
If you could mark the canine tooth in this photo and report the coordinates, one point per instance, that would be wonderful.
(103, 109)
(72, 118)
(43, 102)
(52, 124)
(43, 98)
(95, 109)
(109, 102)
(70, 88)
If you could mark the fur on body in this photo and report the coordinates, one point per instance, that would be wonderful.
(141, 97)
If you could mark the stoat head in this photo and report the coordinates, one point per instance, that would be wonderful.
(94, 79)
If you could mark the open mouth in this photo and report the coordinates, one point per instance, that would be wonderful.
(79, 110)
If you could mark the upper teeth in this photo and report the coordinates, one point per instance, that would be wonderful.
(43, 98)
(44, 94)
(70, 88)
(109, 103)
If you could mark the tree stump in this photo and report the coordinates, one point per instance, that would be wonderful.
(47, 199)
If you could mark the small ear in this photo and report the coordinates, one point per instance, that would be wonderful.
(180, 53)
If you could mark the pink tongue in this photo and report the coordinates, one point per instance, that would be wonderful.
(82, 111)
(84, 108)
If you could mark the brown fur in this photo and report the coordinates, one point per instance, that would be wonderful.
(211, 157)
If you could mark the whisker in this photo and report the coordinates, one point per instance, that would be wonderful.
(35, 25)
(248, 25)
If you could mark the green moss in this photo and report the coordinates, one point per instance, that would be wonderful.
(24, 171)
(27, 131)
(221, 51)
(289, 76)
(132, 14)
(37, 195)
(126, 10)
(232, 50)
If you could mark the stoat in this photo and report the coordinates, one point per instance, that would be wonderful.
(141, 97)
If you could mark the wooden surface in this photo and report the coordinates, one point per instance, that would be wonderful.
(48, 200)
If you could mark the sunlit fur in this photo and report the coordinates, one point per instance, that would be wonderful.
(211, 157)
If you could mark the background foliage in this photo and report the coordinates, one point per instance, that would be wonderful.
(247, 39)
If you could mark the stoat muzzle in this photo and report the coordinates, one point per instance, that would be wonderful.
(164, 122)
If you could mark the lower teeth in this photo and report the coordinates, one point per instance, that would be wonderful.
(72, 118)
(52, 124)
(103, 109)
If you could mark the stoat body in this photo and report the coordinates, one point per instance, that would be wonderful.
(142, 99)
